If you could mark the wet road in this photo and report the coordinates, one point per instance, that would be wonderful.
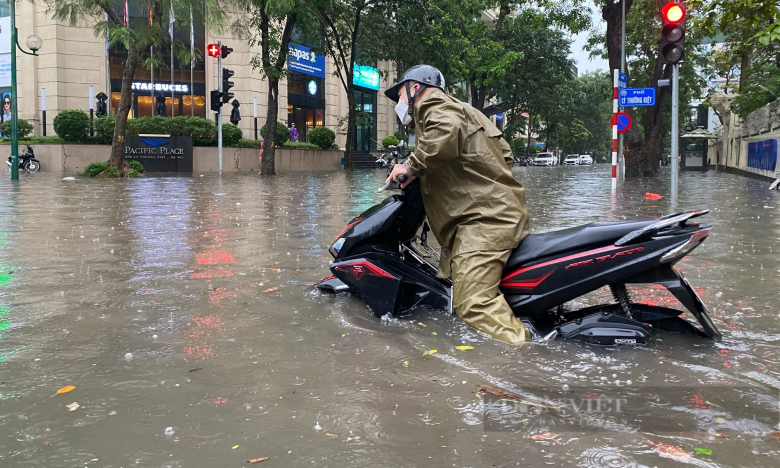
(181, 309)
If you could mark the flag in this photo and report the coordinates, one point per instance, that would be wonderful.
(108, 42)
(170, 24)
(127, 15)
(150, 15)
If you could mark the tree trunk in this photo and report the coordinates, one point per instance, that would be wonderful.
(117, 158)
(349, 160)
(744, 63)
(271, 116)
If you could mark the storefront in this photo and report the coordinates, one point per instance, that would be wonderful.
(366, 81)
(185, 96)
(305, 89)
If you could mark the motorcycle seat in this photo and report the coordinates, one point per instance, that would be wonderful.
(546, 244)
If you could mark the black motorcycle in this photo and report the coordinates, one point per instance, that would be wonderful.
(380, 257)
(27, 161)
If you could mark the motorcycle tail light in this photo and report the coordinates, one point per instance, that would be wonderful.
(683, 250)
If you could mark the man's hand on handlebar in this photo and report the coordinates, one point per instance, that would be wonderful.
(400, 170)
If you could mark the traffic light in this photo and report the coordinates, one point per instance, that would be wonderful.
(216, 100)
(673, 16)
(226, 51)
(213, 50)
(227, 84)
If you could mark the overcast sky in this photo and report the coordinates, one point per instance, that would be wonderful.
(584, 63)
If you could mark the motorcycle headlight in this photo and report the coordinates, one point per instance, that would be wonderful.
(336, 247)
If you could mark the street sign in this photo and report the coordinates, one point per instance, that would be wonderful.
(622, 80)
(622, 120)
(636, 97)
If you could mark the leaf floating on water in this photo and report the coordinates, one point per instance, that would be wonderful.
(67, 389)
(432, 351)
(271, 289)
(235, 447)
(545, 436)
(330, 435)
(406, 363)
(702, 451)
(464, 347)
(775, 435)
(258, 460)
(499, 392)
(196, 369)
(670, 451)
(422, 324)
(73, 406)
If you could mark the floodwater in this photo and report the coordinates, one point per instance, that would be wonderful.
(182, 310)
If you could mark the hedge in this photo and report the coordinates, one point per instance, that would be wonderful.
(300, 145)
(72, 125)
(23, 128)
(322, 137)
(282, 135)
(390, 140)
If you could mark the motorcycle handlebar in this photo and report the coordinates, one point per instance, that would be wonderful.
(401, 179)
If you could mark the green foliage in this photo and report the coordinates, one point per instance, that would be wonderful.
(104, 128)
(322, 137)
(23, 128)
(534, 149)
(390, 140)
(518, 146)
(397, 135)
(136, 165)
(249, 143)
(334, 147)
(132, 173)
(91, 170)
(72, 125)
(113, 172)
(282, 135)
(231, 134)
(300, 145)
(203, 131)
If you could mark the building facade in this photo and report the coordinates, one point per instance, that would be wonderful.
(73, 59)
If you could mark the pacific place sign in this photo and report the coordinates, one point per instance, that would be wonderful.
(160, 153)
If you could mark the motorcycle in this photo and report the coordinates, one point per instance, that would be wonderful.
(380, 256)
(387, 160)
(27, 161)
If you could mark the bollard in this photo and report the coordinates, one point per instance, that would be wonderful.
(91, 110)
(43, 110)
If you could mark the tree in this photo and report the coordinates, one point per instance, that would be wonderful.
(270, 24)
(342, 22)
(135, 36)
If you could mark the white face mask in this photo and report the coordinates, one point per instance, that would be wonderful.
(402, 109)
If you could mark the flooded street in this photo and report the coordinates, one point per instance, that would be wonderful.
(182, 310)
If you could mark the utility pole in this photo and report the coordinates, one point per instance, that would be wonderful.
(621, 161)
(675, 124)
(219, 113)
(14, 109)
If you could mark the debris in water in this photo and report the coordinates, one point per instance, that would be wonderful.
(73, 406)
(670, 451)
(196, 369)
(421, 324)
(128, 356)
(432, 351)
(67, 389)
(702, 451)
(652, 196)
(544, 436)
(258, 460)
(235, 447)
(271, 289)
(169, 431)
(317, 426)
(406, 363)
(499, 392)
(220, 194)
(462, 348)
(68, 178)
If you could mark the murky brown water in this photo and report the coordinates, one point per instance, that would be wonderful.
(186, 303)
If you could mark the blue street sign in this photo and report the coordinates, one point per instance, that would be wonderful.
(636, 97)
(622, 80)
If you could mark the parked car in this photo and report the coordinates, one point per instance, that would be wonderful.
(571, 160)
(585, 160)
(545, 159)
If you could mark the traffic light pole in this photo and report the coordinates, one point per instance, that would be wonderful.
(219, 113)
(14, 110)
(675, 125)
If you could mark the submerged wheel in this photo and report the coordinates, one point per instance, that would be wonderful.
(32, 166)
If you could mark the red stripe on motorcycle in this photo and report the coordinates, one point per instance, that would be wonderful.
(562, 259)
(345, 229)
(526, 284)
(356, 269)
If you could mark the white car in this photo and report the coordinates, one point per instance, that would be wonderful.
(572, 160)
(545, 159)
(585, 160)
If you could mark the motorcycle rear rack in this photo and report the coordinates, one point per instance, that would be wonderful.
(664, 222)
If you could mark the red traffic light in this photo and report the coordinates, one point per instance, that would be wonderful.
(673, 12)
(213, 50)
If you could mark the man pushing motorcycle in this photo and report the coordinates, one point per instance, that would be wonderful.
(475, 208)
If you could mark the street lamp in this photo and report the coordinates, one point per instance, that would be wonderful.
(34, 43)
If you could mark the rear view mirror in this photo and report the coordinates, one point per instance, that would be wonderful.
(401, 144)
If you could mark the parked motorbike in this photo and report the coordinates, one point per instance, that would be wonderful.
(380, 256)
(523, 161)
(27, 161)
(388, 159)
